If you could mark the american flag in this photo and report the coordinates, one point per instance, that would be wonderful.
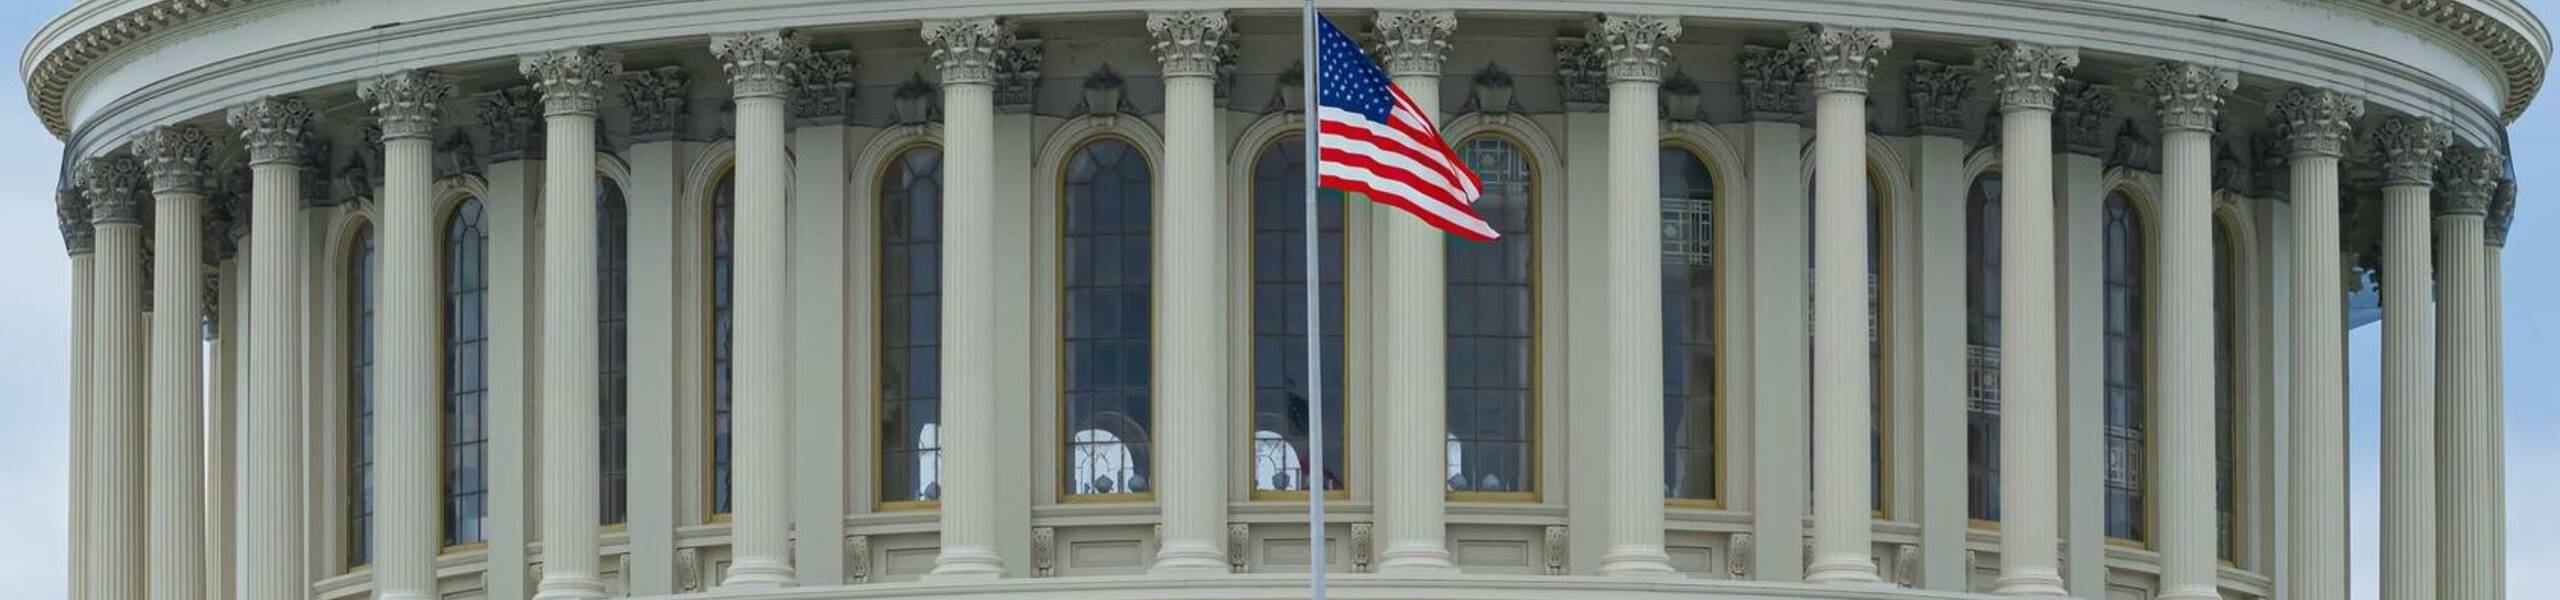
(1376, 142)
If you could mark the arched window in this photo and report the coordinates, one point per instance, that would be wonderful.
(2226, 389)
(723, 238)
(2127, 288)
(361, 284)
(1108, 319)
(1492, 310)
(1691, 386)
(1879, 317)
(613, 350)
(466, 384)
(911, 328)
(1280, 321)
(1982, 348)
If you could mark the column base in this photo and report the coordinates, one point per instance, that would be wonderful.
(1637, 562)
(759, 574)
(557, 586)
(1843, 569)
(1412, 558)
(1190, 558)
(965, 563)
(2189, 593)
(2042, 582)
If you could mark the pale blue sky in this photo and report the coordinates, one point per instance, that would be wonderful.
(33, 337)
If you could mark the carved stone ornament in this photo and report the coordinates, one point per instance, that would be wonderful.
(1044, 552)
(1017, 75)
(1582, 70)
(2466, 180)
(1289, 92)
(1681, 98)
(272, 126)
(456, 156)
(913, 104)
(1239, 546)
(1838, 58)
(174, 157)
(362, 173)
(2316, 120)
(2133, 149)
(2407, 148)
(2025, 74)
(1104, 93)
(2081, 110)
(622, 570)
(2269, 158)
(1737, 563)
(533, 573)
(1635, 47)
(1772, 83)
(407, 102)
(761, 64)
(1906, 565)
(1555, 549)
(214, 230)
(1191, 43)
(71, 214)
(2188, 95)
(1492, 90)
(857, 559)
(1938, 93)
(825, 88)
(235, 231)
(1414, 42)
(514, 117)
(113, 186)
(967, 50)
(572, 81)
(2502, 214)
(659, 100)
(2229, 172)
(688, 570)
(1364, 549)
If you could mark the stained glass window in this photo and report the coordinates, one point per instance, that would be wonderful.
(1492, 313)
(1280, 426)
(466, 382)
(911, 327)
(1109, 319)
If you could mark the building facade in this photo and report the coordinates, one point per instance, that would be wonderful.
(762, 299)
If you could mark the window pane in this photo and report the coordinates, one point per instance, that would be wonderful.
(723, 235)
(1280, 453)
(911, 327)
(1689, 327)
(466, 285)
(1982, 356)
(1491, 406)
(361, 285)
(613, 373)
(2127, 415)
(2226, 309)
(1108, 319)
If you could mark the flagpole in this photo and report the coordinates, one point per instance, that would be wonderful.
(1314, 480)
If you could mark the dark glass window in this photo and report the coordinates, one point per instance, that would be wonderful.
(613, 351)
(466, 382)
(1108, 319)
(1690, 327)
(911, 327)
(2128, 414)
(2226, 349)
(1492, 310)
(724, 237)
(1982, 348)
(361, 286)
(1280, 453)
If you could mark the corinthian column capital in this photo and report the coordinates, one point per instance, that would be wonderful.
(2502, 215)
(761, 64)
(2316, 120)
(113, 185)
(2025, 74)
(1414, 41)
(1635, 47)
(2408, 148)
(2189, 95)
(1838, 58)
(571, 81)
(407, 102)
(272, 126)
(968, 50)
(2466, 179)
(71, 213)
(1191, 43)
(174, 157)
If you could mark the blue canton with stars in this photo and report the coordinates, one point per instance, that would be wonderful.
(1346, 79)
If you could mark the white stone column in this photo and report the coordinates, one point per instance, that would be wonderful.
(79, 238)
(760, 66)
(2502, 214)
(407, 387)
(174, 157)
(2316, 123)
(116, 207)
(967, 51)
(1838, 62)
(222, 404)
(572, 84)
(2463, 455)
(2409, 149)
(1636, 48)
(2188, 96)
(272, 128)
(2030, 512)
(1412, 406)
(1191, 366)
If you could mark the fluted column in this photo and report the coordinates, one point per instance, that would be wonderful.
(222, 402)
(2467, 176)
(1192, 366)
(1411, 376)
(2030, 506)
(174, 158)
(760, 66)
(406, 399)
(966, 51)
(2188, 97)
(2316, 122)
(79, 238)
(1636, 48)
(2502, 214)
(572, 83)
(2409, 148)
(1839, 61)
(272, 128)
(116, 208)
